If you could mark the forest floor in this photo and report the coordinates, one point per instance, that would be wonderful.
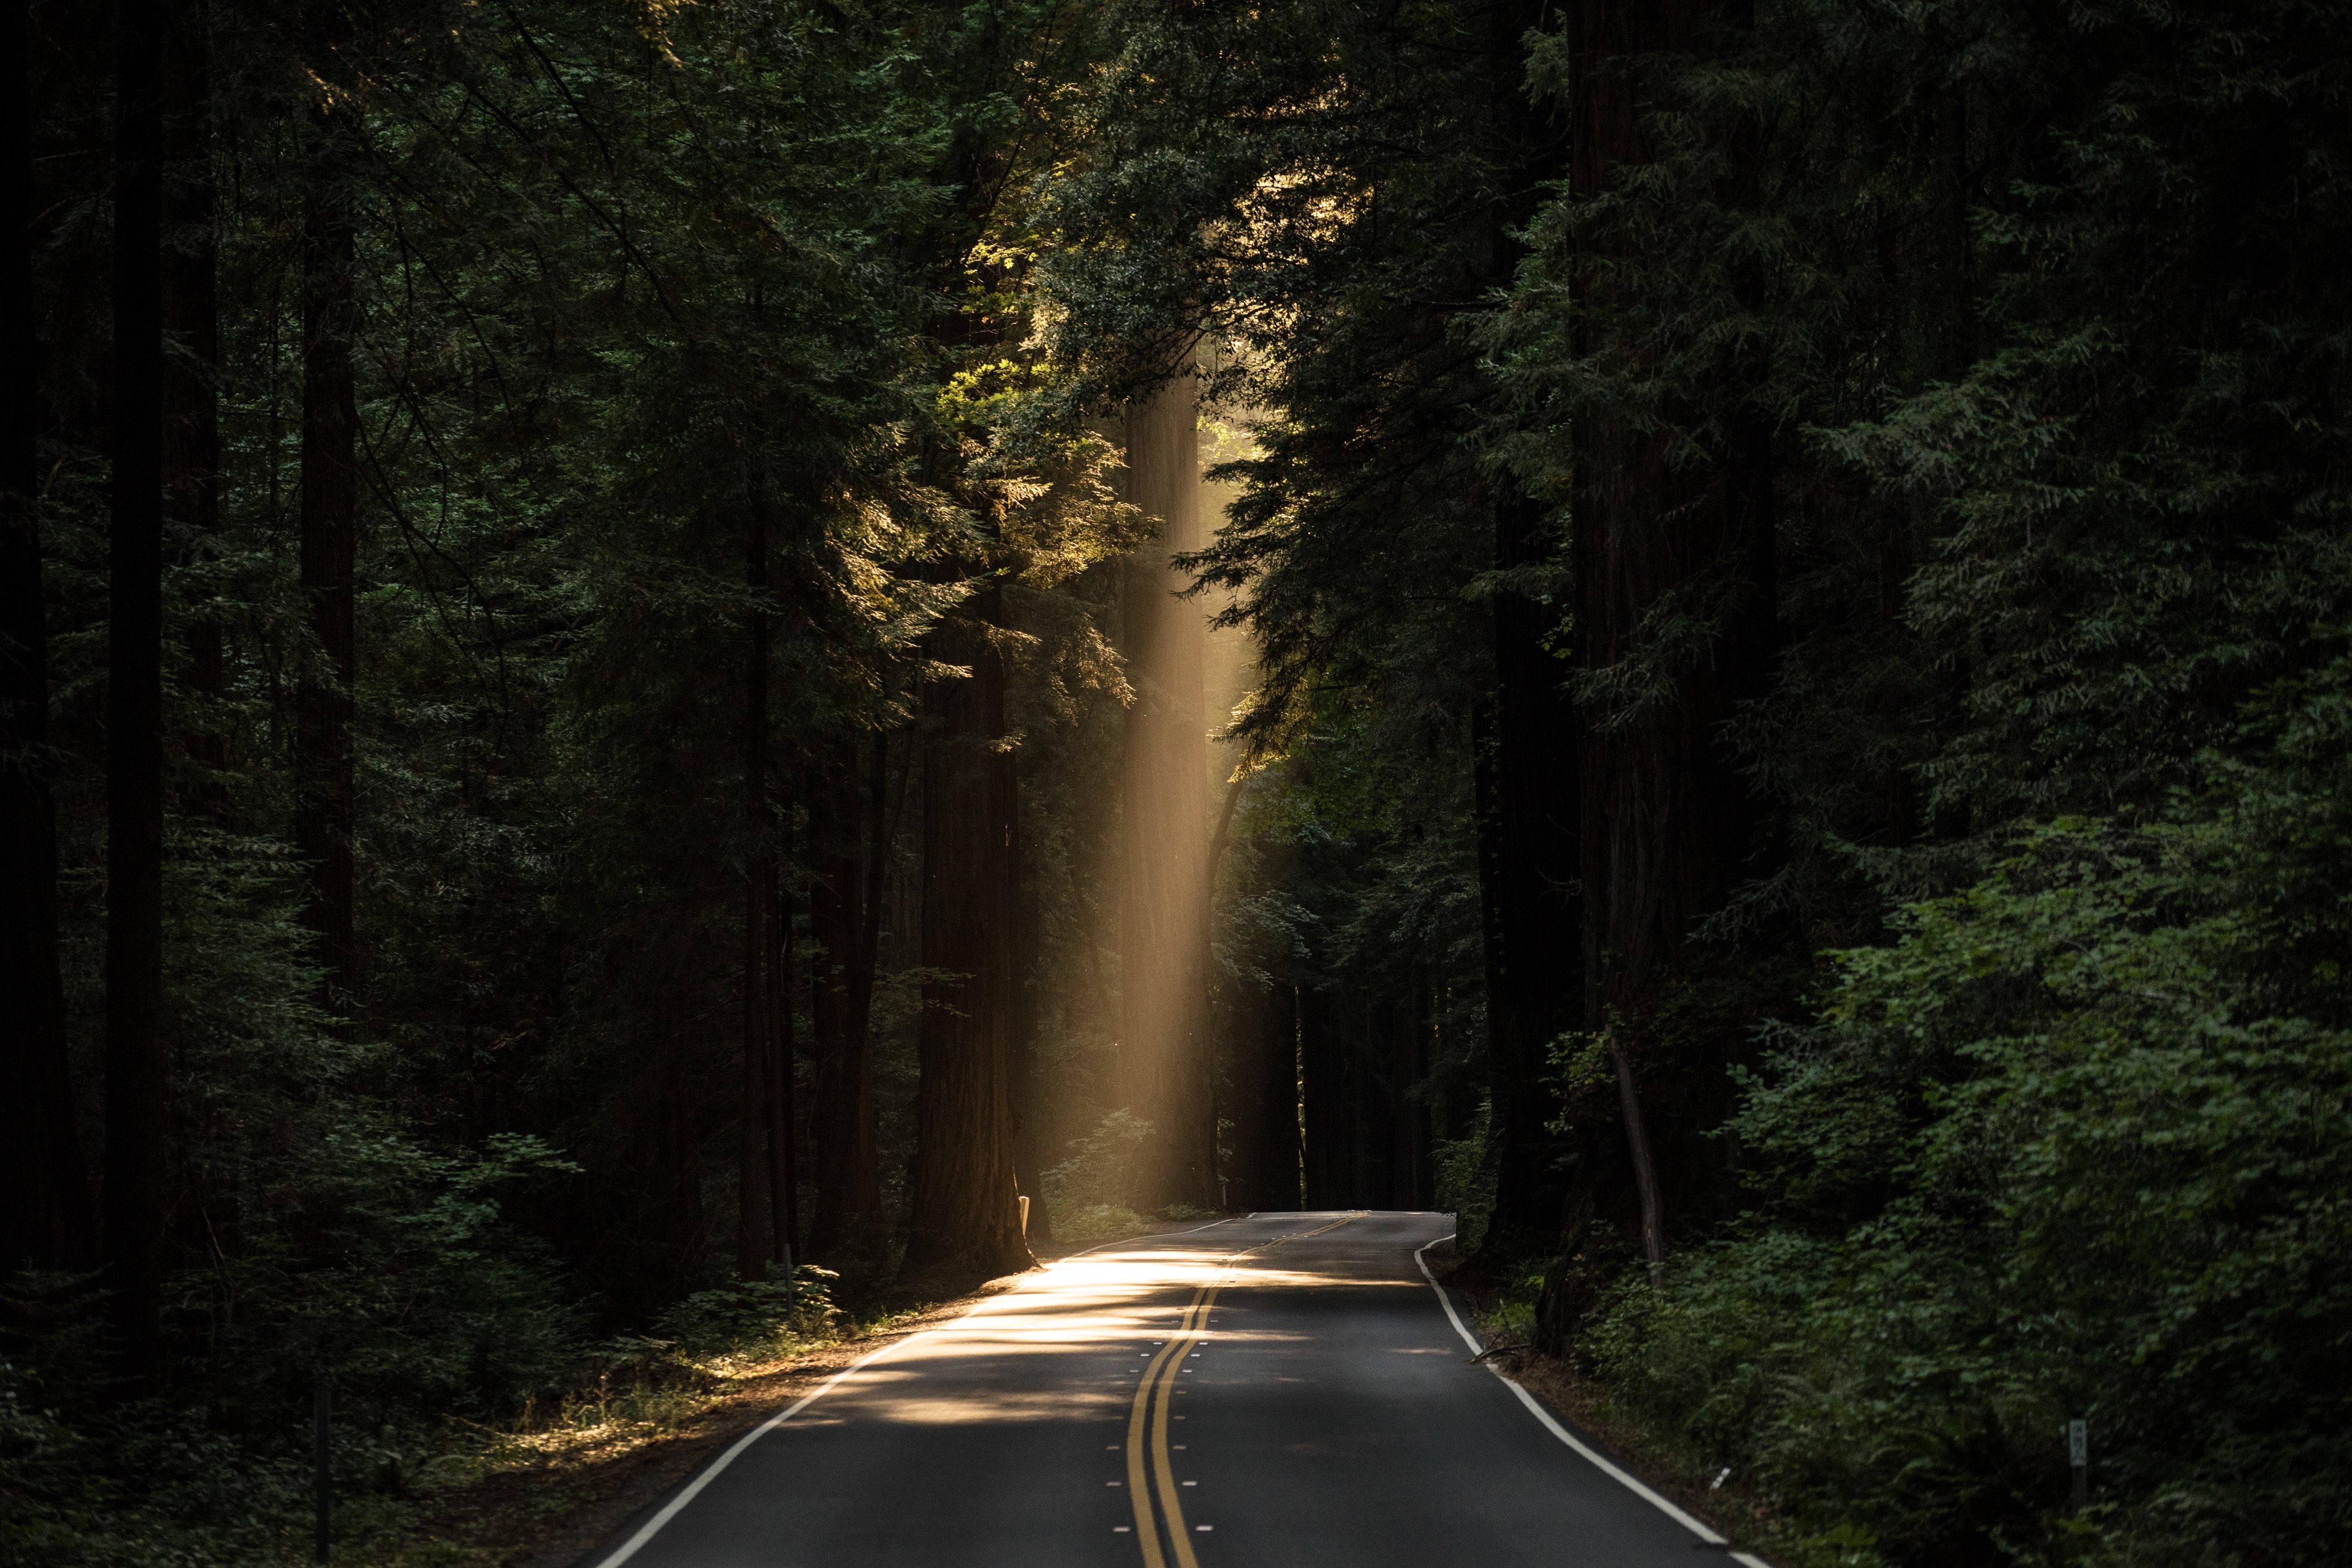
(546, 1496)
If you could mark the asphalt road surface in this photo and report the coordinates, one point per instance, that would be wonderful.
(1287, 1389)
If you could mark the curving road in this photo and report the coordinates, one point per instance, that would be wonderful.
(1284, 1390)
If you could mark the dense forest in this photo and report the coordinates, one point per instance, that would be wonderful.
(667, 660)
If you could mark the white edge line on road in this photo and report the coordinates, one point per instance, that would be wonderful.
(711, 1472)
(1584, 1450)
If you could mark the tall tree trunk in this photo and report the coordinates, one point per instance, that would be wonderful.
(1528, 824)
(752, 1216)
(965, 1218)
(1646, 1167)
(44, 1215)
(1245, 1034)
(1028, 1118)
(783, 1079)
(191, 375)
(1278, 1149)
(846, 888)
(323, 815)
(1527, 758)
(1668, 821)
(134, 710)
(1163, 780)
(1324, 1157)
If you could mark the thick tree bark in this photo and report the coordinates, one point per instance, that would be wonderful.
(752, 1179)
(783, 1076)
(1163, 780)
(135, 716)
(846, 888)
(191, 373)
(1028, 1113)
(1646, 1168)
(1668, 821)
(323, 815)
(965, 1216)
(45, 1210)
(1526, 764)
(1527, 775)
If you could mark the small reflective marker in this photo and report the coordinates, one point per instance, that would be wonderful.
(1121, 1528)
(1110, 1483)
(1176, 1446)
(1112, 1446)
(1204, 1528)
(1192, 1483)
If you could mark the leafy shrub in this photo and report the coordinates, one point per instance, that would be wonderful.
(1094, 1221)
(1465, 1185)
(2081, 1137)
(1105, 1168)
(750, 1316)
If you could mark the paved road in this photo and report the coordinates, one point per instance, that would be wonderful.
(1283, 1390)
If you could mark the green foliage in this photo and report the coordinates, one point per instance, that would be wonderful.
(2080, 1137)
(1104, 1170)
(1464, 1170)
(750, 1316)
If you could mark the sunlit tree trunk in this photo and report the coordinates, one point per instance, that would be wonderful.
(1164, 828)
(965, 1216)
(134, 709)
(44, 1215)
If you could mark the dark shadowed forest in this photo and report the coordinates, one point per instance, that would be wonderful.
(669, 663)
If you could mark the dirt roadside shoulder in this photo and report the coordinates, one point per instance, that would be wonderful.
(560, 1512)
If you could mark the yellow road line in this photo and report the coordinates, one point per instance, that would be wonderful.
(1161, 1374)
(1171, 1497)
(1138, 1485)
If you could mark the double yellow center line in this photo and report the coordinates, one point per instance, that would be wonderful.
(1160, 1380)
(1151, 1400)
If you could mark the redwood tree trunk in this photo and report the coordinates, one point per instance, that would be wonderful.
(1526, 760)
(841, 984)
(1668, 822)
(330, 542)
(1164, 828)
(1527, 826)
(1028, 1119)
(134, 713)
(45, 1216)
(965, 1218)
(783, 1081)
(191, 393)
(752, 1216)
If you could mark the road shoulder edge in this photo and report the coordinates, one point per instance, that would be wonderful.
(1585, 1447)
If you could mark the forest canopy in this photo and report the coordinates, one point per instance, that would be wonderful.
(675, 671)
